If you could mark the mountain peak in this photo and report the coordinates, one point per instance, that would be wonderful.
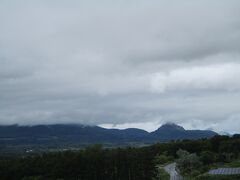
(172, 131)
(171, 126)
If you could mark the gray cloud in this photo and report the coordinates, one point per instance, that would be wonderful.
(120, 63)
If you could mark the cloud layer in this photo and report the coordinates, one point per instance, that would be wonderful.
(211, 77)
(121, 63)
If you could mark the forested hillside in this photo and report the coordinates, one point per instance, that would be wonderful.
(62, 134)
(97, 163)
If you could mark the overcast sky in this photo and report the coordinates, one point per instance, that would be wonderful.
(127, 63)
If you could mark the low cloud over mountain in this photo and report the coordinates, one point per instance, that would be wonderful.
(121, 63)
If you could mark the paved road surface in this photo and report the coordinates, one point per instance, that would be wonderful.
(171, 169)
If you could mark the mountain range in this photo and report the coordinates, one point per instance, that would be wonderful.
(71, 133)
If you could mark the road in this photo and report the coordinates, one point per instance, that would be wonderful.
(171, 169)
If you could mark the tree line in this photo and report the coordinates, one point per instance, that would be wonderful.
(98, 163)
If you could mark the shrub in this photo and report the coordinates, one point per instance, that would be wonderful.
(207, 157)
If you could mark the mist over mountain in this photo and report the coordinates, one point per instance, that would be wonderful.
(171, 131)
(125, 62)
(71, 133)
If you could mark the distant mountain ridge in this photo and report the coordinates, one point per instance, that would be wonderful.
(70, 133)
(171, 131)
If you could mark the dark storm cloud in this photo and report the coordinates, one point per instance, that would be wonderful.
(120, 63)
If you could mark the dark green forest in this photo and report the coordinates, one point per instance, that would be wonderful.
(131, 163)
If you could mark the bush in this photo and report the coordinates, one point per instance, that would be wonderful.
(182, 153)
(161, 159)
(162, 175)
(207, 157)
(188, 163)
(33, 178)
